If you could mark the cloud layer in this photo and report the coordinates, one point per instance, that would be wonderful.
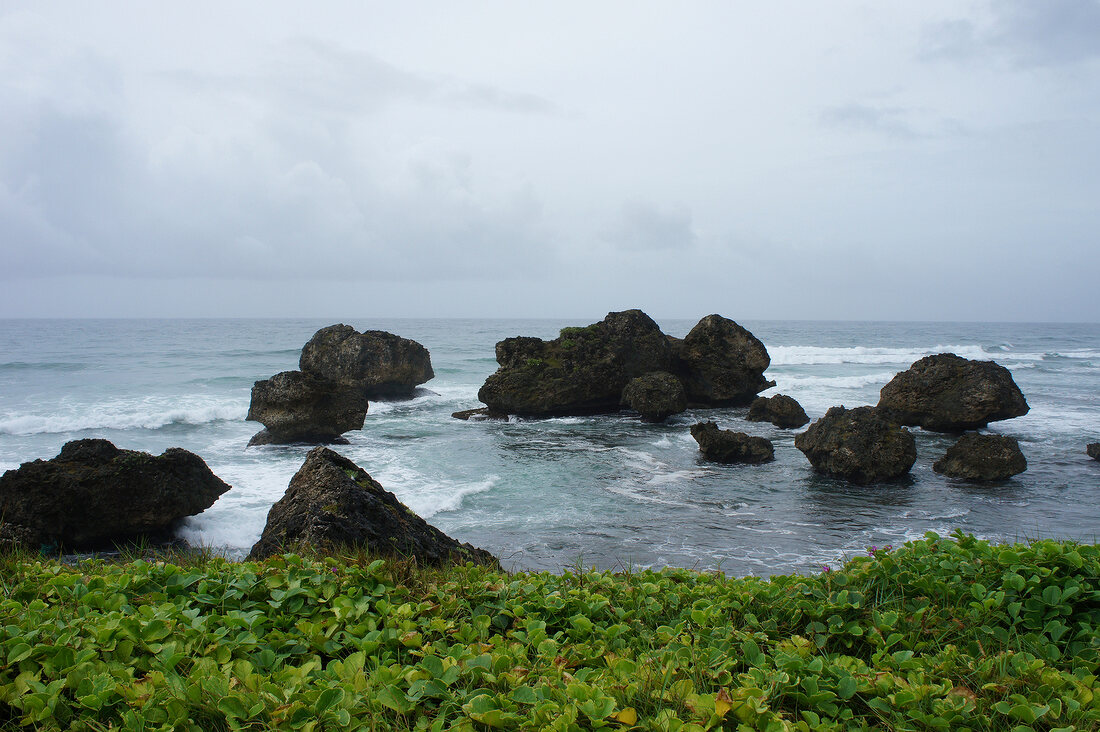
(912, 162)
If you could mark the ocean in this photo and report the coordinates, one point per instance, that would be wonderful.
(602, 491)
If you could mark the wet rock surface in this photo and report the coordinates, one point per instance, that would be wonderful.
(94, 494)
(297, 407)
(727, 446)
(948, 393)
(1093, 450)
(982, 457)
(859, 445)
(333, 505)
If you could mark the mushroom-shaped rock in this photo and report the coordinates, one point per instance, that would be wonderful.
(781, 410)
(377, 363)
(982, 457)
(1093, 450)
(298, 407)
(948, 393)
(721, 363)
(656, 396)
(333, 505)
(93, 494)
(727, 446)
(860, 445)
(584, 371)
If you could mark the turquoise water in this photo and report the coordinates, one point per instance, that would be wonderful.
(604, 491)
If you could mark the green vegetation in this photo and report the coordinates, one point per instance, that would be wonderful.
(941, 634)
(574, 333)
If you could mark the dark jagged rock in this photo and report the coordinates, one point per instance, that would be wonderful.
(982, 457)
(93, 494)
(584, 371)
(332, 505)
(721, 363)
(727, 446)
(656, 396)
(1093, 450)
(948, 393)
(860, 445)
(379, 364)
(297, 407)
(780, 410)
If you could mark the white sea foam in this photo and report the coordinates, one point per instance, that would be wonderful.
(788, 381)
(147, 414)
(813, 355)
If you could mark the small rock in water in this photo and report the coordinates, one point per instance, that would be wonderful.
(1093, 450)
(727, 446)
(781, 410)
(982, 457)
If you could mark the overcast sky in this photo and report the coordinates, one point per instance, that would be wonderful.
(842, 160)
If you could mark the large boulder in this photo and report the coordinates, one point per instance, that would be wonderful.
(656, 396)
(93, 494)
(781, 410)
(584, 371)
(333, 505)
(379, 364)
(1093, 450)
(860, 445)
(948, 393)
(298, 407)
(982, 457)
(727, 446)
(721, 363)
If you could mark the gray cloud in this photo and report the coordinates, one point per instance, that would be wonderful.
(887, 120)
(1027, 33)
(643, 226)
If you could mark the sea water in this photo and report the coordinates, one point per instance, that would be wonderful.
(605, 491)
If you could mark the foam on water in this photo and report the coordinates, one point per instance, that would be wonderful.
(818, 355)
(145, 414)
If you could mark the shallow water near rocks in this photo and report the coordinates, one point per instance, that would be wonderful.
(604, 491)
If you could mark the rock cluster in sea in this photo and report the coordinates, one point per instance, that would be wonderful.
(94, 494)
(333, 505)
(596, 369)
(340, 370)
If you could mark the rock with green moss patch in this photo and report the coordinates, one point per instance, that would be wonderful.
(582, 372)
(333, 505)
(655, 396)
(93, 495)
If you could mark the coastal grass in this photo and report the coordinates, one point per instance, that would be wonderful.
(939, 634)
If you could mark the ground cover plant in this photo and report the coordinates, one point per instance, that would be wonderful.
(939, 634)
